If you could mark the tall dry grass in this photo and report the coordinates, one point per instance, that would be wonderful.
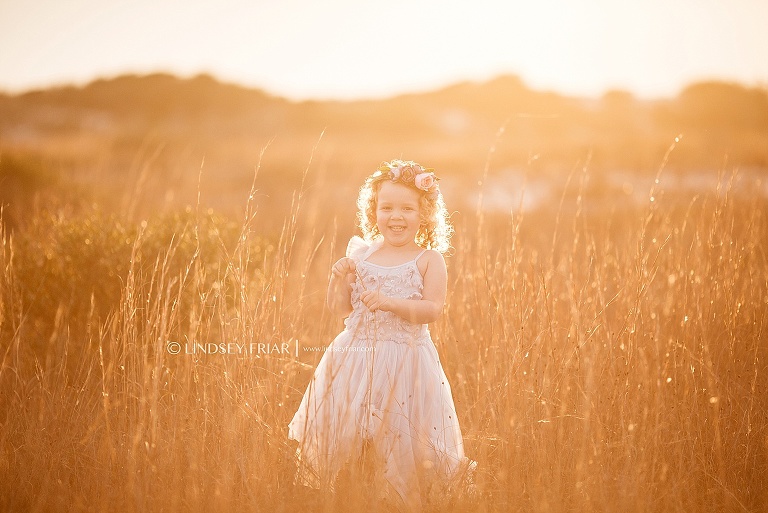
(600, 361)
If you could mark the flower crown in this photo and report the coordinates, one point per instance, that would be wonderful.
(409, 172)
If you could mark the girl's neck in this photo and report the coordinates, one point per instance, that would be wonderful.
(408, 247)
(389, 254)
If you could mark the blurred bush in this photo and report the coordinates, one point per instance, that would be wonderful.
(75, 267)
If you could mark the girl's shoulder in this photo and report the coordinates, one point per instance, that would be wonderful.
(430, 258)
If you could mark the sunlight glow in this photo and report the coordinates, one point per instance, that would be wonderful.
(346, 48)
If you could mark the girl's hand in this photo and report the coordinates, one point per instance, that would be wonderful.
(343, 267)
(375, 300)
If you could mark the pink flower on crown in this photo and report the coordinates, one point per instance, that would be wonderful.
(408, 173)
(424, 181)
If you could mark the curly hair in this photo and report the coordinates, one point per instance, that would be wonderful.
(435, 229)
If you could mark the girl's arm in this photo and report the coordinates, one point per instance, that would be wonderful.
(418, 311)
(340, 287)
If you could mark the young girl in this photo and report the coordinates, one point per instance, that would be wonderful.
(380, 380)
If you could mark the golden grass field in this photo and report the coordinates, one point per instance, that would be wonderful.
(605, 355)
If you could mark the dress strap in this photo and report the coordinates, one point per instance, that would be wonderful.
(419, 255)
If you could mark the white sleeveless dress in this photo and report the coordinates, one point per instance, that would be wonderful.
(381, 379)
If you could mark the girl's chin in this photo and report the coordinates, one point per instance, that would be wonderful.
(398, 236)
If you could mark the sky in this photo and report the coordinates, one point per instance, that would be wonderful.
(350, 49)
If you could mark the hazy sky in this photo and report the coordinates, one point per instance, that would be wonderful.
(357, 48)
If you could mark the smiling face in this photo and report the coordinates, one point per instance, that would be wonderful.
(397, 213)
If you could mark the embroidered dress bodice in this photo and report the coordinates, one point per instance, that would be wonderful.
(402, 281)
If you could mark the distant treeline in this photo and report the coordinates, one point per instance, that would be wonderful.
(154, 132)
